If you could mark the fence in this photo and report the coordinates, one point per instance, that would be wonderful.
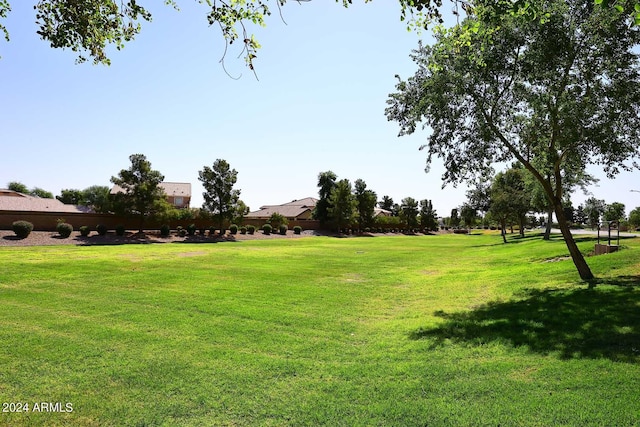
(47, 221)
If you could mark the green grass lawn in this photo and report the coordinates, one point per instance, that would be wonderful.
(386, 331)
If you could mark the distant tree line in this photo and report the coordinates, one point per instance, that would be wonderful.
(343, 207)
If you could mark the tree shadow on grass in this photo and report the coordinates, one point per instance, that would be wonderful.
(575, 324)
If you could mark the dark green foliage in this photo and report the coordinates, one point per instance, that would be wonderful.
(84, 230)
(181, 231)
(326, 183)
(18, 187)
(202, 231)
(342, 203)
(165, 230)
(266, 229)
(297, 229)
(191, 229)
(101, 229)
(70, 196)
(22, 228)
(283, 229)
(365, 203)
(141, 194)
(251, 229)
(212, 231)
(64, 229)
(220, 199)
(276, 220)
(243, 230)
(120, 230)
(233, 229)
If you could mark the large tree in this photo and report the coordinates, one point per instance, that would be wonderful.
(326, 184)
(593, 210)
(98, 198)
(409, 211)
(510, 200)
(365, 203)
(548, 92)
(70, 196)
(428, 216)
(342, 205)
(614, 212)
(220, 198)
(141, 194)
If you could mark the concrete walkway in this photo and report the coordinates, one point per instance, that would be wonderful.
(603, 233)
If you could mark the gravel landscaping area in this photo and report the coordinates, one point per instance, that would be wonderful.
(43, 238)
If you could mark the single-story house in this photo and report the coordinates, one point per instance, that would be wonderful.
(14, 201)
(381, 212)
(178, 193)
(297, 210)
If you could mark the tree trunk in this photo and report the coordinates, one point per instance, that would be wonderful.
(578, 260)
(547, 231)
(503, 230)
(521, 225)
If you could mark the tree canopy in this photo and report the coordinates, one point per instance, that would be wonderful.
(220, 198)
(141, 194)
(559, 91)
(89, 26)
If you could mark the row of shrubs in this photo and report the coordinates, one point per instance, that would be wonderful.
(64, 229)
(24, 228)
(190, 230)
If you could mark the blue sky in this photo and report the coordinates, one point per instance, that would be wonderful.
(318, 105)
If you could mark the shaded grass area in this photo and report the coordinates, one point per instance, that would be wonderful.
(416, 330)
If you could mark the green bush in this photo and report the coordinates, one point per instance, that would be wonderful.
(181, 231)
(165, 230)
(120, 230)
(202, 231)
(84, 230)
(64, 229)
(251, 229)
(283, 229)
(266, 229)
(297, 229)
(243, 230)
(212, 231)
(191, 229)
(102, 229)
(22, 228)
(233, 229)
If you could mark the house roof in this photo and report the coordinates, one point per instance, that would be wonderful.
(170, 189)
(292, 209)
(13, 201)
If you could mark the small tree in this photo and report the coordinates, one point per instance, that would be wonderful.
(141, 193)
(220, 198)
(277, 219)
